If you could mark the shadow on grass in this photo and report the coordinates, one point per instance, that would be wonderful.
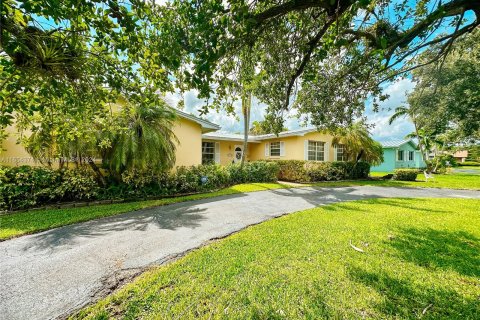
(407, 300)
(458, 251)
(411, 204)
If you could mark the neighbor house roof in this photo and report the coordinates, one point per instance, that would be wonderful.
(257, 139)
(397, 143)
(207, 126)
(461, 154)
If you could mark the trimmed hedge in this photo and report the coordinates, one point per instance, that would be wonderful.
(24, 187)
(312, 171)
(405, 174)
(256, 171)
(469, 164)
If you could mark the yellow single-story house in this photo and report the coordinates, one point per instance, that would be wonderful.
(302, 144)
(188, 130)
(201, 142)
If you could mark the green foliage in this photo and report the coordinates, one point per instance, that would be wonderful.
(79, 55)
(142, 139)
(441, 162)
(78, 185)
(24, 187)
(325, 171)
(256, 171)
(474, 153)
(263, 127)
(450, 87)
(292, 170)
(359, 170)
(338, 60)
(405, 174)
(311, 171)
(358, 145)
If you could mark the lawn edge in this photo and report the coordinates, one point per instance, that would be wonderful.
(285, 186)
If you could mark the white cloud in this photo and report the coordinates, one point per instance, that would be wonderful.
(401, 127)
(381, 131)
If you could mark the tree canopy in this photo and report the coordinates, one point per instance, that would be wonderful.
(78, 52)
(447, 93)
(322, 58)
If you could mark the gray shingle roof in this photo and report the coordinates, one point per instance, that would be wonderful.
(251, 138)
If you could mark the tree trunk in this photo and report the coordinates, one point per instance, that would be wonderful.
(246, 107)
(420, 143)
(442, 152)
(98, 174)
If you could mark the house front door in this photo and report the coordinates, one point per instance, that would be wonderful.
(237, 156)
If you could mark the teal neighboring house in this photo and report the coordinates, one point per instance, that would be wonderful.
(398, 154)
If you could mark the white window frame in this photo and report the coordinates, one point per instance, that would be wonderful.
(215, 154)
(412, 154)
(316, 150)
(279, 148)
(337, 147)
(403, 155)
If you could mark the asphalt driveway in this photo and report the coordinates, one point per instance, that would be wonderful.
(50, 274)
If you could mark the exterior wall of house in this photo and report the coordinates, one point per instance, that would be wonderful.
(189, 147)
(388, 164)
(415, 163)
(13, 154)
(294, 147)
(226, 150)
(391, 161)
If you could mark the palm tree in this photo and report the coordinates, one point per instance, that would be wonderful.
(402, 112)
(358, 144)
(427, 140)
(54, 139)
(146, 140)
(256, 128)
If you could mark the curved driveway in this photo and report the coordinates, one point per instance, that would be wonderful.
(50, 274)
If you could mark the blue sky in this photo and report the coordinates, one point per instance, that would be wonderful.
(381, 130)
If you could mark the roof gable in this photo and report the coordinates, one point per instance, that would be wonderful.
(206, 125)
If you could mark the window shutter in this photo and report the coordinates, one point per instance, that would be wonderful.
(282, 149)
(217, 152)
(335, 157)
(305, 150)
(326, 151)
(267, 149)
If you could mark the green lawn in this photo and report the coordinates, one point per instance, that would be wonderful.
(452, 181)
(16, 224)
(379, 174)
(421, 260)
(468, 167)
